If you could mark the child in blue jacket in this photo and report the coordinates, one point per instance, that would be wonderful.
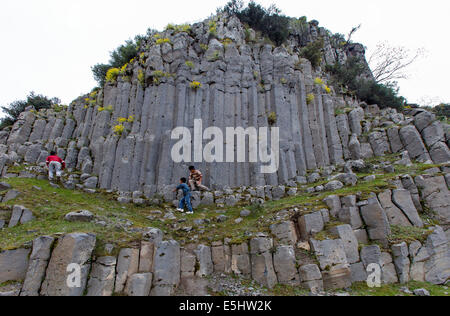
(186, 200)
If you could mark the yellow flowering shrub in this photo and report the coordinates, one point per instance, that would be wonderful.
(327, 89)
(100, 109)
(178, 28)
(163, 41)
(141, 78)
(310, 98)
(142, 59)
(112, 74)
(123, 70)
(319, 81)
(272, 118)
(226, 42)
(122, 120)
(130, 119)
(213, 28)
(190, 64)
(195, 85)
(109, 108)
(119, 129)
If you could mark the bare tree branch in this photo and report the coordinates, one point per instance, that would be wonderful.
(389, 63)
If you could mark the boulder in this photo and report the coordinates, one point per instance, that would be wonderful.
(375, 218)
(435, 193)
(262, 262)
(127, 265)
(311, 278)
(334, 204)
(140, 285)
(310, 224)
(285, 264)
(80, 216)
(167, 268)
(401, 261)
(38, 265)
(350, 243)
(358, 272)
(329, 252)
(403, 200)
(338, 277)
(371, 254)
(394, 214)
(351, 216)
(74, 248)
(13, 265)
(334, 185)
(285, 233)
(10, 195)
(354, 148)
(240, 260)
(204, 258)
(102, 277)
(412, 141)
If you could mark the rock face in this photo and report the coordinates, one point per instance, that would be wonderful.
(434, 191)
(166, 268)
(230, 95)
(101, 281)
(71, 249)
(375, 218)
(13, 265)
(127, 265)
(38, 265)
(263, 270)
(324, 138)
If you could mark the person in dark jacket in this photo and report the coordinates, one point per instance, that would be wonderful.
(186, 200)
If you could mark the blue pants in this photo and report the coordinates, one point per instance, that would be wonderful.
(186, 201)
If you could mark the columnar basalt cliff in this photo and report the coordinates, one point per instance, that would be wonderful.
(345, 199)
(243, 81)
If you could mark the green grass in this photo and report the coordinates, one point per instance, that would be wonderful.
(50, 205)
(408, 234)
(361, 289)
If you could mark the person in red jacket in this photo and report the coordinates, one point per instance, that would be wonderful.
(55, 165)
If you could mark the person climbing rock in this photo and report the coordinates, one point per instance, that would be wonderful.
(186, 200)
(195, 180)
(55, 165)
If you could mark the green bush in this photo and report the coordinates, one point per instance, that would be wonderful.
(14, 109)
(348, 76)
(119, 57)
(270, 22)
(442, 110)
(313, 52)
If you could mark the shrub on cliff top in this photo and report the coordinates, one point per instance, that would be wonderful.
(270, 22)
(119, 57)
(14, 109)
(313, 52)
(348, 75)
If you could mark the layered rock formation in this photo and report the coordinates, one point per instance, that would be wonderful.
(242, 82)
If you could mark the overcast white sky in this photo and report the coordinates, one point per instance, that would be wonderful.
(48, 46)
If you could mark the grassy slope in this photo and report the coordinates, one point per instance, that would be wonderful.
(50, 205)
